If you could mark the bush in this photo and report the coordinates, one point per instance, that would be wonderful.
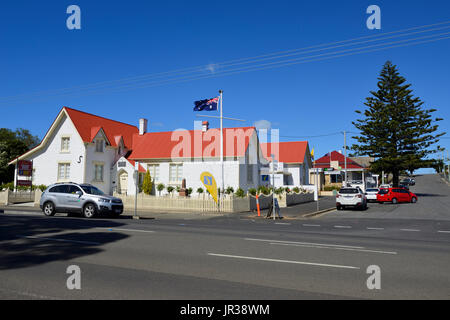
(287, 190)
(264, 190)
(9, 185)
(229, 190)
(170, 189)
(200, 190)
(296, 189)
(189, 191)
(240, 193)
(331, 188)
(147, 185)
(252, 191)
(160, 187)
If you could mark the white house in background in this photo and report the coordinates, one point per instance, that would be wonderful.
(294, 163)
(81, 147)
(85, 148)
(184, 154)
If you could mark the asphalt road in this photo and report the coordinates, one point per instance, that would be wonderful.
(326, 257)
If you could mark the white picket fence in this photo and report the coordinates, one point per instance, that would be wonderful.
(203, 203)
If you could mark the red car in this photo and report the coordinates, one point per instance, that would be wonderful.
(396, 195)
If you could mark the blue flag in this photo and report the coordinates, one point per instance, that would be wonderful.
(206, 104)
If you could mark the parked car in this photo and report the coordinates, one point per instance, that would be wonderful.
(404, 186)
(351, 197)
(371, 194)
(396, 195)
(408, 181)
(85, 199)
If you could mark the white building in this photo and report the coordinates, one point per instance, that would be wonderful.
(85, 148)
(294, 162)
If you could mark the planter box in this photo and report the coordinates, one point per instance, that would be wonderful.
(284, 200)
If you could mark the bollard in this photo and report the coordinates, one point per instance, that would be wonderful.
(257, 206)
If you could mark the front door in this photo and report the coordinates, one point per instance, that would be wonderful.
(123, 182)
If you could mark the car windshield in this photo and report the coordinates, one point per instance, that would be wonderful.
(92, 190)
(372, 190)
(383, 191)
(349, 191)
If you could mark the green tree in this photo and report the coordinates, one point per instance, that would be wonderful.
(160, 188)
(395, 129)
(12, 145)
(147, 185)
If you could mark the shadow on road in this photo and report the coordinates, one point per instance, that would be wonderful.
(28, 241)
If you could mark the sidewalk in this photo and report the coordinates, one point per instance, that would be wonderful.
(300, 211)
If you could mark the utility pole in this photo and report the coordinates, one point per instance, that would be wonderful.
(345, 159)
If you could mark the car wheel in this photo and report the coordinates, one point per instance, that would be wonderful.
(49, 209)
(394, 201)
(413, 200)
(89, 210)
(338, 207)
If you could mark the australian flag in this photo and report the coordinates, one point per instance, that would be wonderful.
(206, 104)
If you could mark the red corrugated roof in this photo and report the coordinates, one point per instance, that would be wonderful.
(88, 125)
(325, 161)
(288, 152)
(180, 144)
(141, 168)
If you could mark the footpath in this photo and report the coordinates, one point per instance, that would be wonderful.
(300, 211)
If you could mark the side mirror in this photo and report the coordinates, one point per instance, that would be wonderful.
(79, 193)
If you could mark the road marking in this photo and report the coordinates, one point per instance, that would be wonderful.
(410, 230)
(283, 261)
(335, 248)
(343, 227)
(373, 228)
(60, 240)
(443, 231)
(121, 229)
(304, 243)
(282, 223)
(311, 225)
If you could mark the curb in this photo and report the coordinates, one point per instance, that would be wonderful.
(313, 214)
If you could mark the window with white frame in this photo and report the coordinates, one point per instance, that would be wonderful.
(176, 172)
(99, 145)
(154, 171)
(98, 172)
(63, 171)
(65, 144)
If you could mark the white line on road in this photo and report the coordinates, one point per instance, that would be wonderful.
(61, 240)
(304, 243)
(121, 229)
(283, 223)
(334, 248)
(283, 261)
(443, 231)
(373, 228)
(311, 225)
(410, 230)
(343, 227)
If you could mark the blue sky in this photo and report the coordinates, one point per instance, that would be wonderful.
(120, 40)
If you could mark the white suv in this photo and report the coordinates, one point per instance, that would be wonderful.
(351, 197)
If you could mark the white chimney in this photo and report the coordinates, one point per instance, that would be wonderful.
(142, 126)
(205, 126)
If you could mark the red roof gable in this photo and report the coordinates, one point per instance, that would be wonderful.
(288, 152)
(180, 144)
(325, 161)
(88, 126)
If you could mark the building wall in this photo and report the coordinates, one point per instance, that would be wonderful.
(106, 158)
(45, 161)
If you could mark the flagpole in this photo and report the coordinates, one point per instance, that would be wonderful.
(221, 140)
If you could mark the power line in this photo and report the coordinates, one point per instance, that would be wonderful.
(257, 67)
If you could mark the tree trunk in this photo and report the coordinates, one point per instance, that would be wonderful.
(395, 178)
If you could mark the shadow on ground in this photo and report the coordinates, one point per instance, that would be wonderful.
(22, 242)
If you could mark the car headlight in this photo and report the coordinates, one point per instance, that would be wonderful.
(104, 200)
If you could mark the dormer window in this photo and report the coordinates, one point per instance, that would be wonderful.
(99, 145)
(65, 144)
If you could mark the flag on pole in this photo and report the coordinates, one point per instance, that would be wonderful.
(206, 104)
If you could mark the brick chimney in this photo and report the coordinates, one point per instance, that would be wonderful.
(205, 126)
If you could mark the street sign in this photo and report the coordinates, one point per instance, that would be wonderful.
(265, 177)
